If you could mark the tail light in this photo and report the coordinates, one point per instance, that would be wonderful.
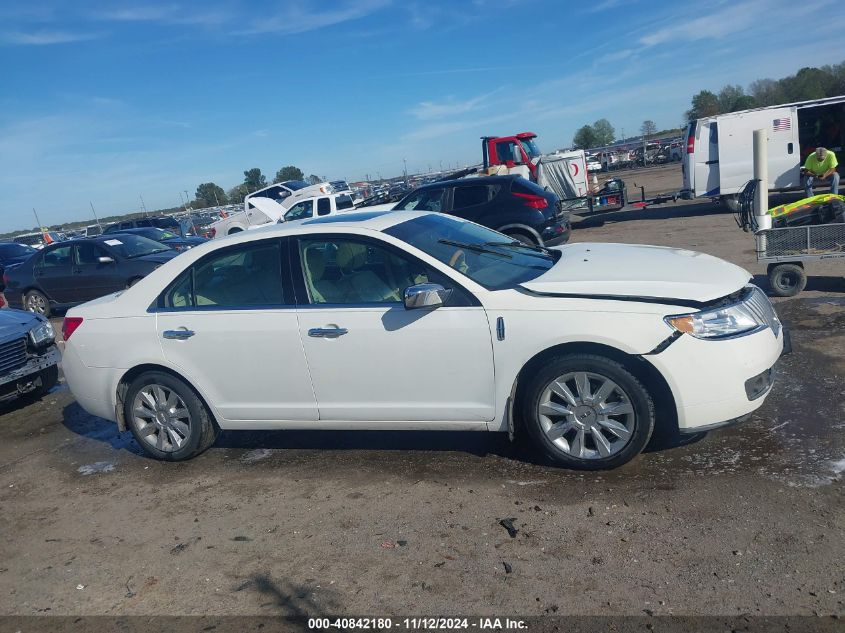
(532, 200)
(691, 140)
(69, 326)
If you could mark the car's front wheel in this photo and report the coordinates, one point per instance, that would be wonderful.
(167, 417)
(587, 412)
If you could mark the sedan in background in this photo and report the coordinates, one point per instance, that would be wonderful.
(69, 273)
(167, 238)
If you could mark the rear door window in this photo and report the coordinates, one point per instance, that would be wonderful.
(324, 206)
(239, 277)
(470, 196)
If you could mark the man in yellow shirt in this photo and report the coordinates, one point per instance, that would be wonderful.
(821, 165)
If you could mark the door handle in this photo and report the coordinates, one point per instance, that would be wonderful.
(327, 332)
(180, 334)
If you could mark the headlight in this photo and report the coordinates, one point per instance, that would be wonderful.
(42, 334)
(717, 323)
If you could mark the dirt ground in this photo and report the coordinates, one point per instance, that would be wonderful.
(747, 520)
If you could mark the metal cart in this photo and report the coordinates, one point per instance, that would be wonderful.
(786, 250)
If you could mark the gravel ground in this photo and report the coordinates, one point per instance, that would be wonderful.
(746, 520)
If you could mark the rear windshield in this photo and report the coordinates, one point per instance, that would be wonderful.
(295, 185)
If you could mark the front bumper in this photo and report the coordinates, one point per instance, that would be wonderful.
(34, 364)
(710, 380)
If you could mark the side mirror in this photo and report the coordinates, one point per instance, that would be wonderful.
(517, 156)
(425, 296)
(103, 259)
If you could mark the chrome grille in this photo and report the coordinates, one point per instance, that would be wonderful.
(759, 305)
(13, 354)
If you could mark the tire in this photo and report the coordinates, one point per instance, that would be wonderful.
(729, 203)
(787, 280)
(522, 237)
(632, 425)
(35, 301)
(156, 431)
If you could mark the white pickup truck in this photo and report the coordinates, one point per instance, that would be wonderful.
(285, 194)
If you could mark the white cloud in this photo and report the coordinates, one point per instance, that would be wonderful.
(297, 18)
(43, 38)
(428, 110)
(149, 13)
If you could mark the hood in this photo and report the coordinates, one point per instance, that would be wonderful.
(15, 323)
(634, 270)
(268, 207)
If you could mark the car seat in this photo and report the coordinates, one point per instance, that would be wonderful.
(361, 286)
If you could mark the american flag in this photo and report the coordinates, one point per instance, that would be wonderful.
(781, 125)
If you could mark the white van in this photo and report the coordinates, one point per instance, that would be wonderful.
(718, 158)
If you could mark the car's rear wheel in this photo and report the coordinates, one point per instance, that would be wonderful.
(167, 417)
(36, 301)
(587, 412)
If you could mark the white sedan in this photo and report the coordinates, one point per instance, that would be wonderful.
(409, 320)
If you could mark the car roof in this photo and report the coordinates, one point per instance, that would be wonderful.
(368, 220)
(471, 180)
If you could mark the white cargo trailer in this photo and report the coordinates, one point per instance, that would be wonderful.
(717, 162)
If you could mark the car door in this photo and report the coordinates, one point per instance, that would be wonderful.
(373, 360)
(230, 324)
(54, 273)
(92, 277)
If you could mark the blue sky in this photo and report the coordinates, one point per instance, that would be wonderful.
(108, 101)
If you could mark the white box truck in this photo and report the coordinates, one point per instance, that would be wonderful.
(718, 158)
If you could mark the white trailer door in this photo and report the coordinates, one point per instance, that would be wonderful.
(736, 140)
(705, 159)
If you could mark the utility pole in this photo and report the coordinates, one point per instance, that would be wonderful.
(37, 221)
(95, 215)
(143, 206)
(216, 199)
(405, 171)
(186, 198)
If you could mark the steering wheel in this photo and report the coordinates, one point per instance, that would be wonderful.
(458, 259)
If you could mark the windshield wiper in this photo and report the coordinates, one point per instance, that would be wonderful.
(478, 248)
(153, 252)
(538, 251)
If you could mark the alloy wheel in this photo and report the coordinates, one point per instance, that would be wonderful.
(36, 303)
(586, 415)
(161, 417)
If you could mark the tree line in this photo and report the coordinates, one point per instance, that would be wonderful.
(807, 84)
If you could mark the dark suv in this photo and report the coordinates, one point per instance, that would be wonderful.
(509, 204)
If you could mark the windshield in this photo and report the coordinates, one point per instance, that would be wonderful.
(488, 258)
(8, 251)
(131, 246)
(530, 147)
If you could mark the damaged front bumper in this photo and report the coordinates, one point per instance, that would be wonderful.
(22, 380)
